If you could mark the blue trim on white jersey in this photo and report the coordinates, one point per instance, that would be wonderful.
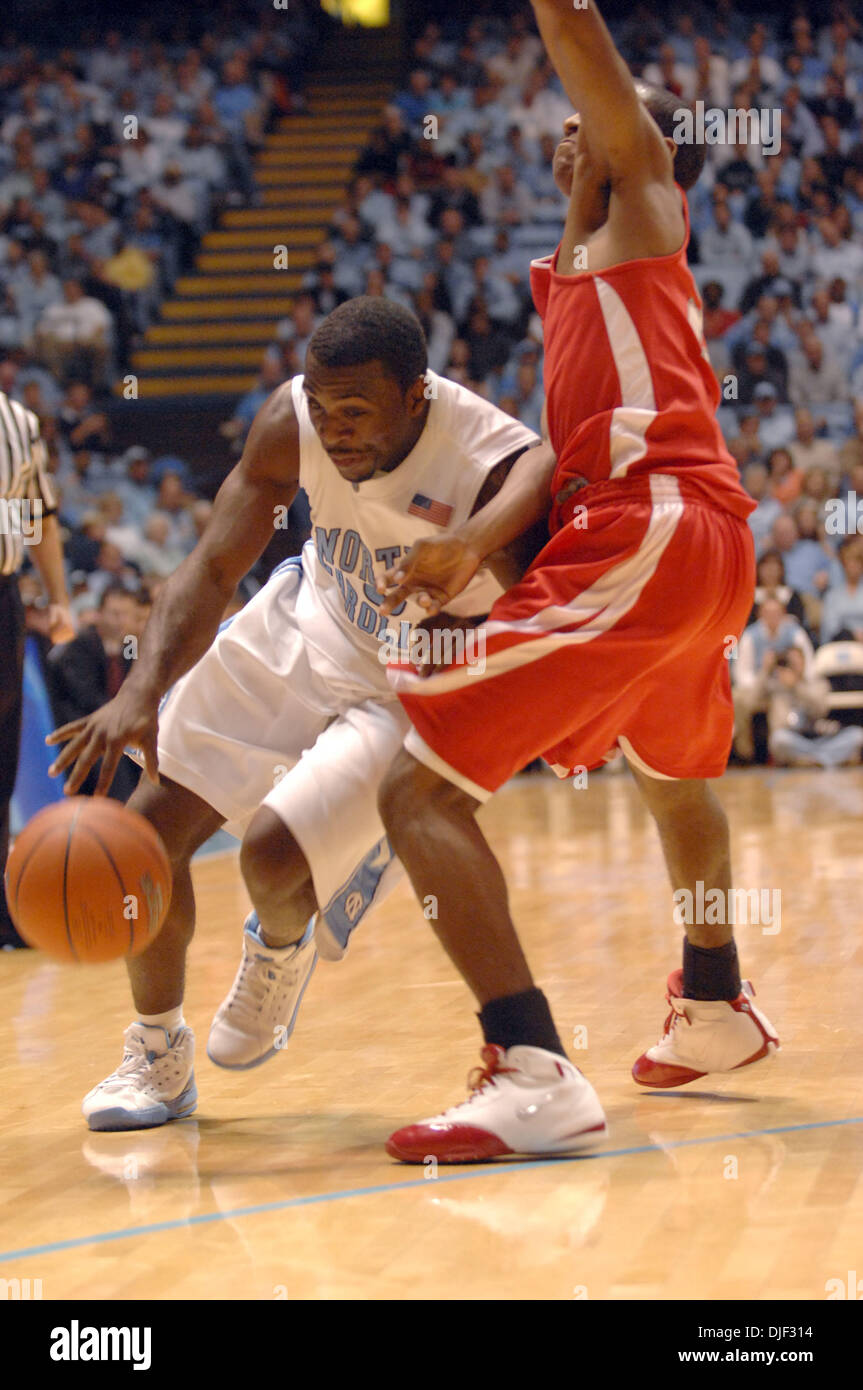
(293, 562)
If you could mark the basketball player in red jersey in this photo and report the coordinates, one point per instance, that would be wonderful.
(617, 637)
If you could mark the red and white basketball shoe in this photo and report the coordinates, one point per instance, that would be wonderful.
(702, 1036)
(523, 1101)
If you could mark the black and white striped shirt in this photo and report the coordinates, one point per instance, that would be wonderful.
(26, 489)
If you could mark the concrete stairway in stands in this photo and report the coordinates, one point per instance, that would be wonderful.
(213, 329)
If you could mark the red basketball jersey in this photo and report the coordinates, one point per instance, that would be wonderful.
(628, 380)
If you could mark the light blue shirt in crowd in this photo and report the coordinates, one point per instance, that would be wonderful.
(803, 561)
(841, 608)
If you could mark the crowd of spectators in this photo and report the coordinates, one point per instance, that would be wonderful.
(113, 162)
(450, 200)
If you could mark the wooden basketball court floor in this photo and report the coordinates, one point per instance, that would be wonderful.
(279, 1187)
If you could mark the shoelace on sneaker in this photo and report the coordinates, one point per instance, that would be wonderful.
(248, 994)
(253, 986)
(746, 993)
(674, 1018)
(480, 1077)
(136, 1059)
(135, 1056)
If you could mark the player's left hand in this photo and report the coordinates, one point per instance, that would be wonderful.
(433, 572)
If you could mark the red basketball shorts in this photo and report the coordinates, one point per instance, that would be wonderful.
(618, 637)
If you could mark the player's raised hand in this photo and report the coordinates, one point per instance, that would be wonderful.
(432, 573)
(130, 718)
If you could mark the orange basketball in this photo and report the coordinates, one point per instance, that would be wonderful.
(88, 880)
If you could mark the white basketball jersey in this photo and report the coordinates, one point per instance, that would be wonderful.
(359, 530)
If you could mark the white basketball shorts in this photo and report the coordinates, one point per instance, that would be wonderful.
(256, 722)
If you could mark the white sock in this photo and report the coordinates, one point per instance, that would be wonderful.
(160, 1028)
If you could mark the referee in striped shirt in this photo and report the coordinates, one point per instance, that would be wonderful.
(27, 518)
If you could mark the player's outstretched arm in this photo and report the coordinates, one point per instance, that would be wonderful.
(187, 613)
(600, 86)
(514, 500)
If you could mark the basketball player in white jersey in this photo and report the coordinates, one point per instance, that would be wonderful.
(281, 724)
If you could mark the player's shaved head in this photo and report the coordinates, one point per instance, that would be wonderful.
(666, 109)
(372, 329)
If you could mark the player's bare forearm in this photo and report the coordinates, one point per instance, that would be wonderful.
(582, 51)
(595, 79)
(523, 500)
(514, 500)
(187, 613)
(183, 623)
(510, 564)
(189, 609)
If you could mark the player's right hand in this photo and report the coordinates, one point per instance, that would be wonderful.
(433, 572)
(130, 718)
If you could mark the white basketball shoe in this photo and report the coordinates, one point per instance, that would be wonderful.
(523, 1101)
(148, 1088)
(258, 1016)
(702, 1036)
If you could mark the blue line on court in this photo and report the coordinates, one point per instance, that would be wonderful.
(465, 1175)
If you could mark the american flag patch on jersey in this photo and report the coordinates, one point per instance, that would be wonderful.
(437, 512)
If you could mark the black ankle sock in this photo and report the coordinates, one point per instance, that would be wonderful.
(520, 1020)
(710, 972)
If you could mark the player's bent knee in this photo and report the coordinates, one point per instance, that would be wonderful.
(410, 791)
(665, 797)
(398, 791)
(271, 861)
(181, 819)
(682, 805)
